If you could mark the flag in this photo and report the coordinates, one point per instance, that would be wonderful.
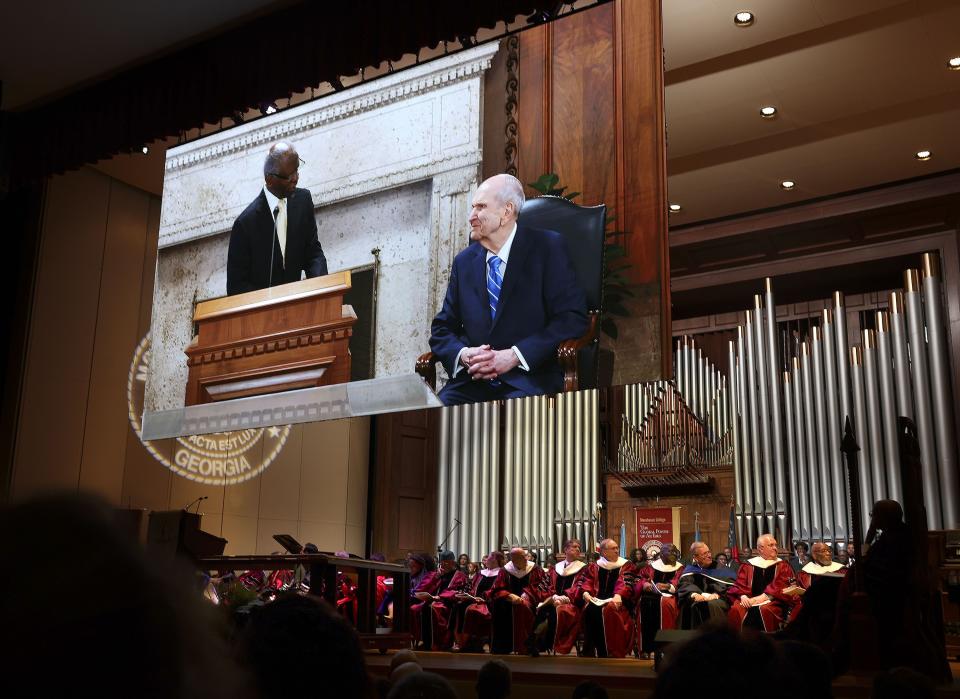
(732, 535)
(623, 539)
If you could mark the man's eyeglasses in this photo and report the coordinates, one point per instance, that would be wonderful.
(295, 173)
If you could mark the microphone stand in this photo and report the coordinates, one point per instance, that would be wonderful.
(447, 537)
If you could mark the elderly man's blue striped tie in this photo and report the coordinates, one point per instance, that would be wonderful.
(494, 282)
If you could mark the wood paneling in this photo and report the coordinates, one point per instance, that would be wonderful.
(714, 509)
(404, 483)
(62, 335)
(590, 108)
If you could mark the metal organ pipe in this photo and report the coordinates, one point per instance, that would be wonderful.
(818, 488)
(760, 366)
(755, 456)
(942, 400)
(746, 440)
(809, 427)
(801, 483)
(871, 395)
(837, 501)
(888, 407)
(776, 411)
(920, 378)
(863, 441)
(794, 518)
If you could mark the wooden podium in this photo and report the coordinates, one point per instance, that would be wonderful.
(286, 337)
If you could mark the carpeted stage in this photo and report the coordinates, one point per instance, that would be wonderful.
(549, 677)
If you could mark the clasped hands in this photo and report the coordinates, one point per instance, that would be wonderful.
(486, 364)
(704, 596)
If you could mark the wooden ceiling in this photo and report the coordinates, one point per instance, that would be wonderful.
(860, 86)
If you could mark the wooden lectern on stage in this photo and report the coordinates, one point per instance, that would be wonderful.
(286, 337)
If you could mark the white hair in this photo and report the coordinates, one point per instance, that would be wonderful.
(511, 191)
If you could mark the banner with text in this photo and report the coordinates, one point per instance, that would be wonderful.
(657, 526)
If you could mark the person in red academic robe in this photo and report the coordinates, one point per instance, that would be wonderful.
(430, 616)
(518, 589)
(656, 590)
(607, 603)
(818, 586)
(472, 613)
(558, 615)
(757, 598)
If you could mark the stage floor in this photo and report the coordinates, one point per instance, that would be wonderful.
(624, 678)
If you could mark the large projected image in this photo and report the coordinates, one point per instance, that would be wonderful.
(303, 256)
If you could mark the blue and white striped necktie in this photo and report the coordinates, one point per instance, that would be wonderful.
(494, 282)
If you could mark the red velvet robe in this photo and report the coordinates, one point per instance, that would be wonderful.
(473, 618)
(656, 611)
(608, 631)
(347, 597)
(430, 619)
(563, 618)
(511, 623)
(752, 579)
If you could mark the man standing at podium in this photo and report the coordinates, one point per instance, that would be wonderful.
(512, 298)
(275, 238)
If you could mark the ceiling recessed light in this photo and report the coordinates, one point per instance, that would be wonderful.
(145, 150)
(954, 63)
(743, 19)
(768, 111)
(674, 208)
(922, 155)
(787, 184)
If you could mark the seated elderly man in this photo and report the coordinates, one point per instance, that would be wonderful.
(512, 298)
(757, 598)
(607, 600)
(818, 586)
(656, 590)
(702, 588)
(558, 616)
(430, 616)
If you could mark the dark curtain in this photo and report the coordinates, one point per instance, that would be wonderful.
(270, 58)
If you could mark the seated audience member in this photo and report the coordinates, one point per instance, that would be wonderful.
(402, 656)
(494, 680)
(757, 598)
(656, 589)
(472, 613)
(732, 562)
(818, 585)
(462, 562)
(117, 625)
(430, 617)
(607, 601)
(639, 558)
(302, 632)
(851, 555)
(752, 664)
(558, 616)
(589, 689)
(516, 592)
(799, 558)
(472, 570)
(723, 561)
(702, 589)
(422, 685)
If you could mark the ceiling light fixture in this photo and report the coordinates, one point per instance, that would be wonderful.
(743, 19)
(954, 63)
(674, 208)
(768, 112)
(145, 150)
(787, 184)
(922, 155)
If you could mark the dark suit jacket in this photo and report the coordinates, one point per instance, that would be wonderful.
(541, 304)
(248, 260)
